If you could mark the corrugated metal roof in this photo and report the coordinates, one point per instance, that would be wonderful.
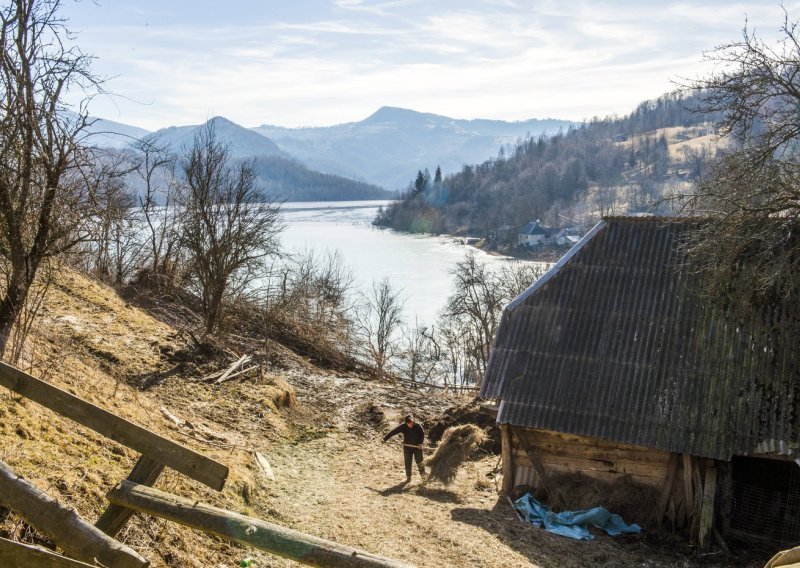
(613, 343)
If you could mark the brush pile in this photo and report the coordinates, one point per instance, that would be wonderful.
(458, 444)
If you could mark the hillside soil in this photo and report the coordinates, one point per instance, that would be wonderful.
(321, 432)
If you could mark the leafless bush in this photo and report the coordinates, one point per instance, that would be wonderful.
(227, 225)
(377, 320)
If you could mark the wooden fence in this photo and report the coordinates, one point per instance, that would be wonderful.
(85, 544)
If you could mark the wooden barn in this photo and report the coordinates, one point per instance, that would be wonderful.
(612, 366)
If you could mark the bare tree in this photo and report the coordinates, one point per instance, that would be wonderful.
(420, 355)
(471, 316)
(747, 247)
(377, 321)
(115, 247)
(42, 199)
(227, 225)
(476, 304)
(155, 167)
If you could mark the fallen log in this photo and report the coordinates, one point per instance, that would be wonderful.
(259, 534)
(76, 537)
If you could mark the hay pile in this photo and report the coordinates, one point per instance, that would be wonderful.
(469, 413)
(633, 501)
(457, 445)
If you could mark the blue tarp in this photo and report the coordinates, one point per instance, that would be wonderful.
(573, 524)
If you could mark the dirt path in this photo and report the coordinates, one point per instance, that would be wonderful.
(338, 481)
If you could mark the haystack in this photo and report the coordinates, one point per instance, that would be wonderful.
(458, 443)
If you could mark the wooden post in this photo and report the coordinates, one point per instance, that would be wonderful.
(666, 490)
(697, 507)
(688, 491)
(76, 537)
(146, 472)
(707, 510)
(21, 554)
(725, 484)
(508, 459)
(245, 530)
(188, 462)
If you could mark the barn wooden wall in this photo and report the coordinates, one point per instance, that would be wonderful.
(684, 487)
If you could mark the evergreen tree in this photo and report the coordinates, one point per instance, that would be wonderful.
(419, 182)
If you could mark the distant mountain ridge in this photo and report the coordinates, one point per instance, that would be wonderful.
(356, 160)
(110, 134)
(280, 175)
(242, 142)
(389, 145)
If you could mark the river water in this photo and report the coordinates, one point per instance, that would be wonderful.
(419, 266)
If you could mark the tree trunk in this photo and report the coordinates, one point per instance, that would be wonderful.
(11, 306)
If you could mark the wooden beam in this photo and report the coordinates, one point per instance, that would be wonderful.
(688, 490)
(180, 458)
(146, 472)
(259, 534)
(707, 510)
(508, 459)
(697, 484)
(77, 538)
(666, 490)
(20, 554)
(553, 496)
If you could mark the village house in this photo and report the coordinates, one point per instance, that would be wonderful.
(533, 234)
(612, 366)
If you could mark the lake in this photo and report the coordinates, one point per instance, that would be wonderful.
(418, 266)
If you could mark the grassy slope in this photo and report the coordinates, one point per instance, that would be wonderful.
(90, 343)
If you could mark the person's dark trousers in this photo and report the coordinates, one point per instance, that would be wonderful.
(417, 455)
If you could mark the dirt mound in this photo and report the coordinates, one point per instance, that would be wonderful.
(370, 416)
(469, 413)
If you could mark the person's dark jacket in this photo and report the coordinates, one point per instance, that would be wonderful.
(413, 436)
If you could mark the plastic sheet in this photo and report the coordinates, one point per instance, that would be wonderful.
(572, 524)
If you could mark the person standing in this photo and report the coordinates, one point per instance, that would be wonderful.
(413, 436)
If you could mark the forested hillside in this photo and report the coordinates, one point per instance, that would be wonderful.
(604, 166)
(289, 180)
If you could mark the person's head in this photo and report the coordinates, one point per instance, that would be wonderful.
(409, 419)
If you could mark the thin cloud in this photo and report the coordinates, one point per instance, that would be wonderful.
(342, 60)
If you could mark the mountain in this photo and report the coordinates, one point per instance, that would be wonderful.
(242, 142)
(281, 176)
(105, 133)
(387, 147)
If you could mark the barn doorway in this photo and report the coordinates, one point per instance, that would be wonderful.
(766, 500)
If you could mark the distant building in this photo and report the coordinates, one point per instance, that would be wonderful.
(611, 366)
(533, 234)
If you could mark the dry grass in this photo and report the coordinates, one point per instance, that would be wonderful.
(458, 444)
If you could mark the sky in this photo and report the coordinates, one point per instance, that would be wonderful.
(317, 63)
